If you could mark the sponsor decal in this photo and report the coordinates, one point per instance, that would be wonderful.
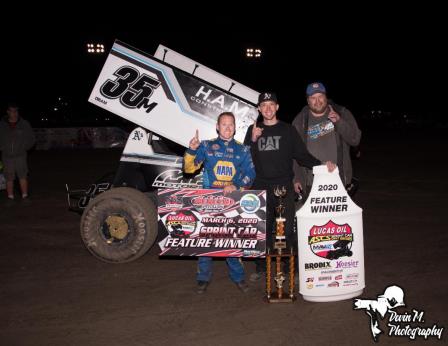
(333, 284)
(221, 184)
(93, 191)
(174, 202)
(210, 100)
(325, 278)
(334, 271)
(331, 241)
(347, 264)
(133, 88)
(181, 224)
(137, 135)
(338, 277)
(252, 253)
(174, 179)
(224, 170)
(250, 203)
(317, 265)
(212, 203)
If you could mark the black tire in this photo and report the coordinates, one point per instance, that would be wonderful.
(135, 210)
(106, 178)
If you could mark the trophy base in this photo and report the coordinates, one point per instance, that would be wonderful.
(279, 300)
(276, 294)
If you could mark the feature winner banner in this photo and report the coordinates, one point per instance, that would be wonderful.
(204, 222)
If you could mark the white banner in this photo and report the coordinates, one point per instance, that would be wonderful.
(331, 245)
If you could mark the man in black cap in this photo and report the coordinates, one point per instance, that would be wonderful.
(274, 145)
(328, 131)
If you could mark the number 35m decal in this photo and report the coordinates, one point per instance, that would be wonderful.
(132, 88)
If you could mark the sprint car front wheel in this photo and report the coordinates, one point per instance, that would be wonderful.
(119, 225)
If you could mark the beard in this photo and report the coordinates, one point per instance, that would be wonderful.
(319, 109)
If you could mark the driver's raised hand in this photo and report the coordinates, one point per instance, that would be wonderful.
(194, 142)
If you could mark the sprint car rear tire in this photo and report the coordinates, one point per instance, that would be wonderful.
(119, 225)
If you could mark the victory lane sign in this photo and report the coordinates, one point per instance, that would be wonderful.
(204, 222)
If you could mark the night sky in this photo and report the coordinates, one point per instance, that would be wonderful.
(390, 66)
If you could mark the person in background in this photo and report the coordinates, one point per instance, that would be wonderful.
(16, 138)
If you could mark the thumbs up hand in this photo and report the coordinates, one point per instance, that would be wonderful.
(256, 131)
(333, 115)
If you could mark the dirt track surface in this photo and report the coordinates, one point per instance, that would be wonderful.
(53, 292)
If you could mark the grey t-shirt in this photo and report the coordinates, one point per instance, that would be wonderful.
(321, 141)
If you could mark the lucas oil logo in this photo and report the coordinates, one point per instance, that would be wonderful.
(181, 224)
(331, 241)
(224, 170)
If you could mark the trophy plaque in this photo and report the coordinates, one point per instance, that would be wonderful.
(279, 276)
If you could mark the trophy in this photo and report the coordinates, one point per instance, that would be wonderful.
(279, 252)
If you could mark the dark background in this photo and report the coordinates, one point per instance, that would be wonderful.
(391, 63)
(53, 292)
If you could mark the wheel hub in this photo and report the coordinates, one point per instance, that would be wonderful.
(118, 227)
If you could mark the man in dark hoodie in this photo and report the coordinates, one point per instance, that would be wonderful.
(16, 138)
(328, 131)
